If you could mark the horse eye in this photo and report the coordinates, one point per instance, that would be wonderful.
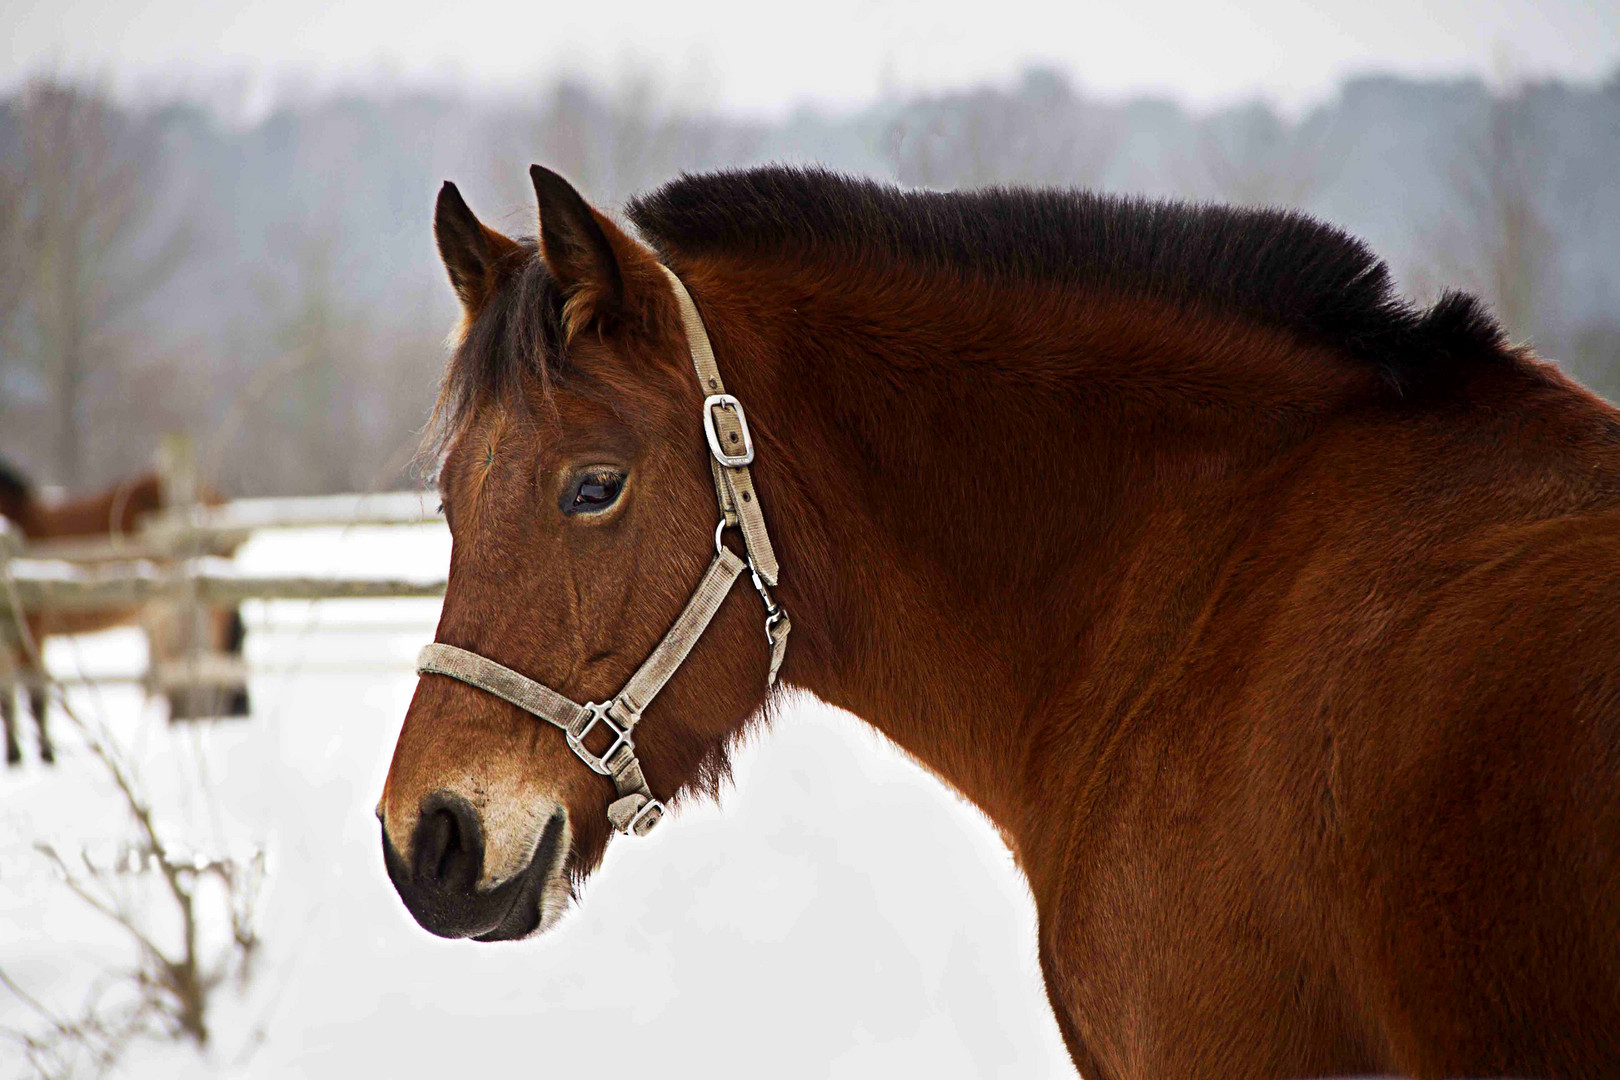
(594, 491)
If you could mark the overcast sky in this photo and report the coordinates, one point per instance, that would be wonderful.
(752, 57)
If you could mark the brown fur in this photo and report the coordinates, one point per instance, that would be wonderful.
(1288, 672)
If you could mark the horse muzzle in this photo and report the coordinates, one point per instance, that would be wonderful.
(439, 882)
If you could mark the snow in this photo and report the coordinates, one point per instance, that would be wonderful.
(840, 914)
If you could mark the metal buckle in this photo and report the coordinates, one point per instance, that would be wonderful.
(652, 807)
(730, 461)
(621, 737)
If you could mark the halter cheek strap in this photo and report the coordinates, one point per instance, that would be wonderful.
(731, 451)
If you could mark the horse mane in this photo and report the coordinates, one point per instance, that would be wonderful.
(1282, 269)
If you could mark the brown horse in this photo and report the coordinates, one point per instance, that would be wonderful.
(114, 512)
(1273, 620)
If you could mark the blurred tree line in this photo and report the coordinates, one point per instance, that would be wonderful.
(271, 286)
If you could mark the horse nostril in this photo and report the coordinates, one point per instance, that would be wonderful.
(449, 844)
(443, 844)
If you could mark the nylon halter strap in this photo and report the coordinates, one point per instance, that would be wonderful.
(731, 450)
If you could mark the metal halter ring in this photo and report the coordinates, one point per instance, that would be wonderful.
(719, 530)
(773, 614)
(599, 713)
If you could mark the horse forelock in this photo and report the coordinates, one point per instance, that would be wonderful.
(515, 341)
(513, 355)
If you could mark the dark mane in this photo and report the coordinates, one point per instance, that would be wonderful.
(1281, 269)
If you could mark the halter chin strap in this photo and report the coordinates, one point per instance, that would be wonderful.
(731, 451)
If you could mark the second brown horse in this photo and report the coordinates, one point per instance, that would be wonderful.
(115, 512)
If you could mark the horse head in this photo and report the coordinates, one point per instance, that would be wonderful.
(576, 483)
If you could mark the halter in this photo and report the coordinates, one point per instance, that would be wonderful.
(731, 450)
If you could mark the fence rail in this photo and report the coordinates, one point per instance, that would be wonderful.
(103, 592)
(220, 529)
(214, 671)
(180, 556)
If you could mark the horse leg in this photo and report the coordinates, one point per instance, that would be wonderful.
(236, 696)
(37, 706)
(8, 713)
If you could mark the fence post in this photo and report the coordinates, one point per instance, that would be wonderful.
(11, 540)
(177, 478)
(11, 543)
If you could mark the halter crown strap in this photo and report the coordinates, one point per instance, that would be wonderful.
(734, 486)
(731, 447)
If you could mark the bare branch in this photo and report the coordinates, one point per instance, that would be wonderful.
(171, 988)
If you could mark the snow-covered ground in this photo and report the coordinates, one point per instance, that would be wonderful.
(840, 914)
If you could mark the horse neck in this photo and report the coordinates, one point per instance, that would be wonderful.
(987, 501)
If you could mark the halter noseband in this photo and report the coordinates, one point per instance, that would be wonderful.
(731, 450)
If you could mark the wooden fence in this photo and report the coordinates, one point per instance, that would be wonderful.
(179, 557)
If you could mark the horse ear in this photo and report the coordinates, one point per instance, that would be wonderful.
(577, 249)
(475, 256)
